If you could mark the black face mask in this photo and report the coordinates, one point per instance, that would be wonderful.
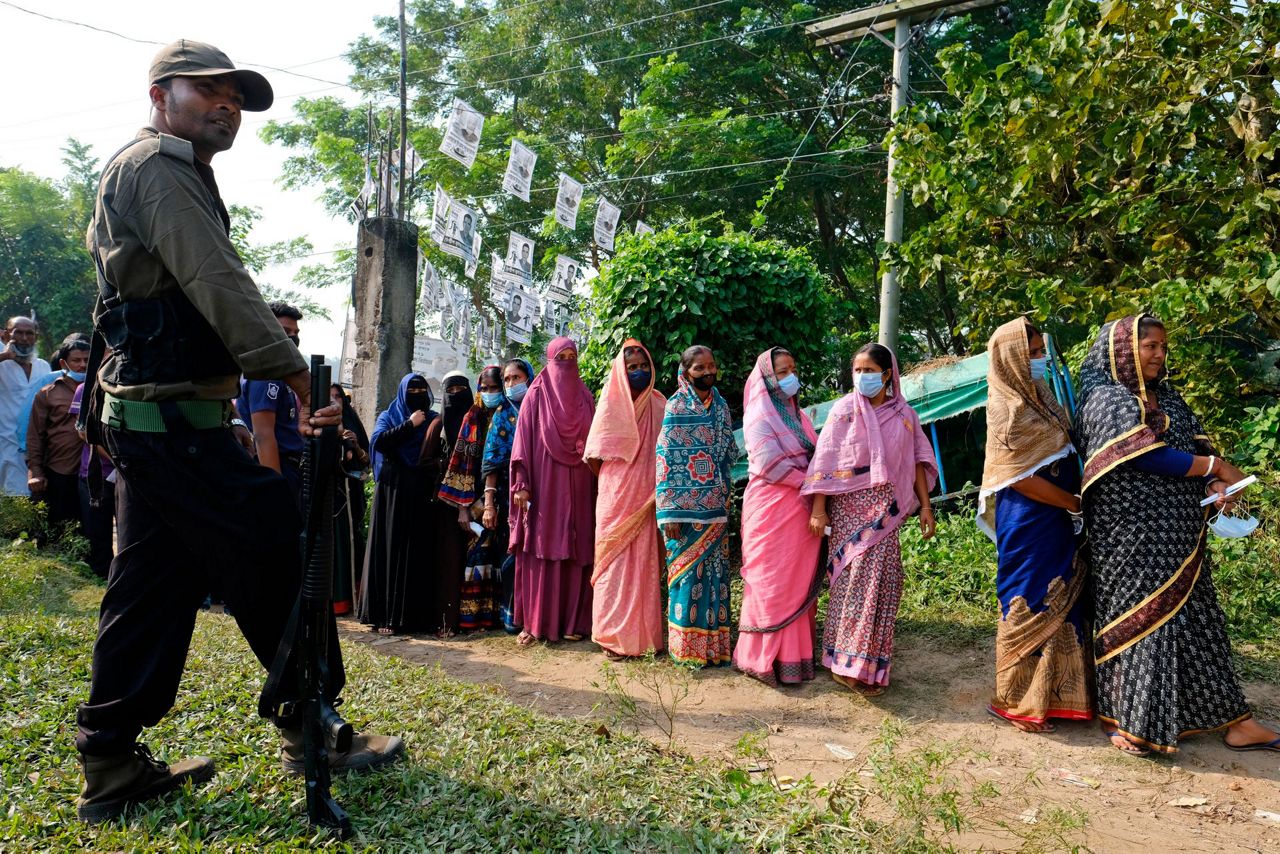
(704, 382)
(417, 401)
(639, 379)
(297, 342)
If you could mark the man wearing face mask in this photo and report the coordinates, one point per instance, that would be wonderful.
(22, 374)
(53, 445)
(271, 409)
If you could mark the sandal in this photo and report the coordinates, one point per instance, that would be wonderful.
(524, 639)
(615, 656)
(1131, 750)
(383, 630)
(1044, 727)
(573, 638)
(858, 687)
(1273, 744)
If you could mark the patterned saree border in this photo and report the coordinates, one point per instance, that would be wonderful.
(614, 543)
(682, 563)
(1119, 450)
(1152, 612)
(1166, 748)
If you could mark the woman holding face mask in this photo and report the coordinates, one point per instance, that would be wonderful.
(462, 488)
(779, 552)
(626, 609)
(695, 457)
(406, 585)
(495, 471)
(872, 468)
(1163, 658)
(553, 502)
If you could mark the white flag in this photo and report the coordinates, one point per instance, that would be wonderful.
(519, 176)
(462, 133)
(568, 198)
(607, 216)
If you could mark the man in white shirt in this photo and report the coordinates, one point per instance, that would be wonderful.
(19, 369)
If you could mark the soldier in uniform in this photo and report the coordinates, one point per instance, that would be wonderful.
(184, 320)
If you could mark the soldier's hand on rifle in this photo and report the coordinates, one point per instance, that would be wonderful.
(310, 423)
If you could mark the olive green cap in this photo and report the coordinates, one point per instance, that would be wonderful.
(187, 58)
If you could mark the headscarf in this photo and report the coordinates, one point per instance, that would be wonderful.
(454, 407)
(779, 436)
(615, 434)
(458, 486)
(395, 415)
(1113, 422)
(1026, 428)
(696, 453)
(502, 431)
(862, 446)
(563, 405)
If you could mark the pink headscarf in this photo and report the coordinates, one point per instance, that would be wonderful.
(615, 432)
(780, 438)
(863, 446)
(563, 405)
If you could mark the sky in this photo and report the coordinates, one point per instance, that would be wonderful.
(64, 80)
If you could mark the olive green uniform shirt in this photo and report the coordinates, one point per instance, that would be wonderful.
(160, 224)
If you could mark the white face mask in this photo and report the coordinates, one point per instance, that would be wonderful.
(1232, 527)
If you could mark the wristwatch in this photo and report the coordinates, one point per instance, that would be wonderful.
(238, 422)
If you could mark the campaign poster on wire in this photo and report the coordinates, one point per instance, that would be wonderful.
(470, 264)
(643, 227)
(517, 267)
(606, 226)
(462, 133)
(518, 179)
(521, 312)
(568, 200)
(459, 232)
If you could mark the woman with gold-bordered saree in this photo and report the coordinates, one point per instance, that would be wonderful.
(1030, 481)
(1163, 658)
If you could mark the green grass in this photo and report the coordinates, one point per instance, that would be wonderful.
(482, 774)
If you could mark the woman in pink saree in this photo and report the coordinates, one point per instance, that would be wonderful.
(553, 502)
(875, 463)
(626, 601)
(780, 571)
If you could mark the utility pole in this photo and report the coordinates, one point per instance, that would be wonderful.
(404, 122)
(873, 21)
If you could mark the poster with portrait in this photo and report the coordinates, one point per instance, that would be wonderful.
(517, 267)
(568, 199)
(470, 264)
(460, 230)
(643, 227)
(521, 315)
(518, 179)
(567, 275)
(606, 227)
(462, 133)
(440, 203)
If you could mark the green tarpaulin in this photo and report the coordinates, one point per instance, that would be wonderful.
(935, 394)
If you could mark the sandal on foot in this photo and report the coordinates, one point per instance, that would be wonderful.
(384, 630)
(615, 656)
(524, 639)
(858, 687)
(1273, 744)
(1044, 727)
(1132, 750)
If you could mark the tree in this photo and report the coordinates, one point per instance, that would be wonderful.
(733, 293)
(1122, 160)
(257, 257)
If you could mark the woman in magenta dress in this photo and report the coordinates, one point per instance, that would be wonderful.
(779, 553)
(553, 502)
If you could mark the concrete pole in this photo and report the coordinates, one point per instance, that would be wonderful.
(404, 126)
(386, 292)
(894, 200)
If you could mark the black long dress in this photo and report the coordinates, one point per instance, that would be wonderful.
(410, 581)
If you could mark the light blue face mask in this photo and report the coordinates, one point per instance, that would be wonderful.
(491, 398)
(1232, 527)
(869, 385)
(78, 376)
(789, 385)
(1039, 367)
(517, 392)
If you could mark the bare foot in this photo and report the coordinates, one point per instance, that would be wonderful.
(524, 638)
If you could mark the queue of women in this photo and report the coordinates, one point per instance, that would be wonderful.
(529, 505)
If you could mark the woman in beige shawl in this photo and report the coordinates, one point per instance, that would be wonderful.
(1029, 506)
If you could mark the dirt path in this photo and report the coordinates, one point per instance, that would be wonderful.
(1132, 804)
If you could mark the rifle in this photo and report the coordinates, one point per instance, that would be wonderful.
(307, 635)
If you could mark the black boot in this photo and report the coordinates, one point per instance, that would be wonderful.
(113, 783)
